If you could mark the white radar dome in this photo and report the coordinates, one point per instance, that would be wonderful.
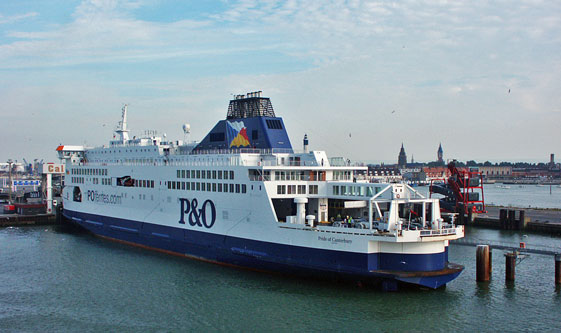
(186, 128)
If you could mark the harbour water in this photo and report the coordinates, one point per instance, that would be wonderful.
(523, 196)
(55, 279)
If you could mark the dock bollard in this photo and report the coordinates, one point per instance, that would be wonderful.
(510, 266)
(558, 268)
(483, 263)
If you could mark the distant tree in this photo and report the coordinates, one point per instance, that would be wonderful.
(505, 164)
(434, 164)
(487, 163)
(471, 163)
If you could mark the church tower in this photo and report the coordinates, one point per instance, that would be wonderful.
(440, 154)
(402, 159)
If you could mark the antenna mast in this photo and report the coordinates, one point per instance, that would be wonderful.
(122, 130)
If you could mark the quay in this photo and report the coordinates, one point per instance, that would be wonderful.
(527, 219)
(14, 220)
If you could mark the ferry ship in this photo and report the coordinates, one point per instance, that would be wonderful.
(243, 197)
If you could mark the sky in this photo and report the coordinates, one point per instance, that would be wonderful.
(358, 77)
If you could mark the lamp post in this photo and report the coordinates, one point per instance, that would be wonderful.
(10, 162)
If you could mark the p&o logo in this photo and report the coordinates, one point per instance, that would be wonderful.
(204, 216)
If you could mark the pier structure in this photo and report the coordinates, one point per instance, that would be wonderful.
(515, 254)
(526, 219)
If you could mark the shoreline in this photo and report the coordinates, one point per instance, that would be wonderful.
(522, 208)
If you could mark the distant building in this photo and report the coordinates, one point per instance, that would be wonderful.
(496, 171)
(552, 161)
(402, 158)
(384, 174)
(440, 155)
(437, 172)
(413, 175)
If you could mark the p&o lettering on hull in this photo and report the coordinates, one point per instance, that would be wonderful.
(205, 216)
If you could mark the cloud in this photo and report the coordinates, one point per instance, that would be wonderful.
(322, 32)
(16, 18)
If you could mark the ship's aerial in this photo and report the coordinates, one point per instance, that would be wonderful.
(242, 196)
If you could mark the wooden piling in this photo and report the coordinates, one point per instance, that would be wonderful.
(511, 220)
(483, 263)
(502, 218)
(510, 259)
(522, 222)
(558, 269)
(490, 262)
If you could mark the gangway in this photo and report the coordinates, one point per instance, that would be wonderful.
(510, 246)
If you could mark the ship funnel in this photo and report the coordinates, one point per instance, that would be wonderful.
(305, 143)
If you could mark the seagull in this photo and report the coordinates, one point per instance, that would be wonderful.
(509, 90)
(393, 111)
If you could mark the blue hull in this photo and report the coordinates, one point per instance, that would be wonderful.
(429, 270)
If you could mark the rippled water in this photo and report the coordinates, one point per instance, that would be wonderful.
(57, 280)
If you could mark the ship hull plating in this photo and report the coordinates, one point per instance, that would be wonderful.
(428, 270)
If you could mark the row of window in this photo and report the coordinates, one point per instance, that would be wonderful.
(89, 172)
(206, 174)
(351, 190)
(300, 175)
(296, 189)
(113, 151)
(274, 124)
(78, 180)
(143, 183)
(342, 175)
(208, 187)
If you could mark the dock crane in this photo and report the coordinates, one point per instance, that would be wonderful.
(462, 191)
